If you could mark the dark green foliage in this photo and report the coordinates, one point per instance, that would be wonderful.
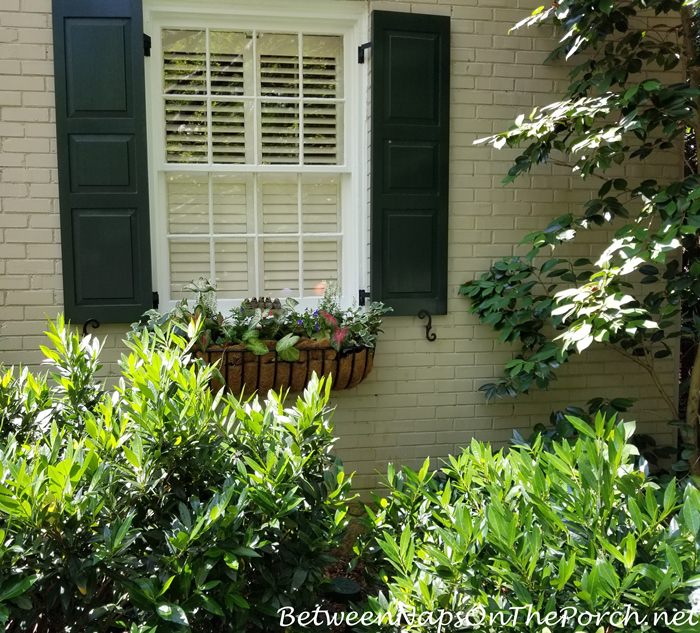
(159, 505)
(575, 525)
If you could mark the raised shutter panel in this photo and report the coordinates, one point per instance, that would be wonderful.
(101, 144)
(410, 156)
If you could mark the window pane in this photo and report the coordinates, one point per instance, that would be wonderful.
(186, 131)
(228, 131)
(232, 201)
(278, 65)
(320, 204)
(226, 58)
(184, 62)
(279, 132)
(235, 269)
(278, 204)
(322, 130)
(323, 66)
(188, 261)
(321, 264)
(280, 268)
(188, 203)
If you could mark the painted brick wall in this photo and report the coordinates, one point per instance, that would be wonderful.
(422, 399)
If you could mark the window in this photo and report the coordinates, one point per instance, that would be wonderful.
(257, 180)
(256, 170)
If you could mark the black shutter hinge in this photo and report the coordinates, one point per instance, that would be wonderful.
(429, 335)
(146, 45)
(93, 323)
(361, 52)
(156, 300)
(363, 296)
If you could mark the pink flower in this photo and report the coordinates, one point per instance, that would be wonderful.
(339, 336)
(329, 318)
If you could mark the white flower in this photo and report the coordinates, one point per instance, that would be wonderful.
(695, 602)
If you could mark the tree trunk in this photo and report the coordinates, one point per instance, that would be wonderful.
(690, 56)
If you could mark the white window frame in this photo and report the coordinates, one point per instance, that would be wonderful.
(332, 17)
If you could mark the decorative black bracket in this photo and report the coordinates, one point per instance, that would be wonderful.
(363, 295)
(361, 52)
(431, 336)
(94, 323)
(146, 45)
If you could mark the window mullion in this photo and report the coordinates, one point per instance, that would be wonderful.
(300, 238)
(300, 93)
(210, 122)
(212, 244)
(257, 248)
(254, 74)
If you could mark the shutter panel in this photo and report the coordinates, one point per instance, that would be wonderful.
(410, 131)
(101, 144)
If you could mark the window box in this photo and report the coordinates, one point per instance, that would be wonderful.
(246, 372)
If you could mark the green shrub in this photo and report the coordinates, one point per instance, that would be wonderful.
(159, 505)
(575, 529)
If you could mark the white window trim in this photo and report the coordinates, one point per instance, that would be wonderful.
(336, 17)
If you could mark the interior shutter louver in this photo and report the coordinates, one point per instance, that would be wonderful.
(410, 156)
(101, 145)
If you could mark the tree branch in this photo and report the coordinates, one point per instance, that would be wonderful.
(649, 368)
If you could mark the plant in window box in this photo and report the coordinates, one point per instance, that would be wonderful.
(271, 344)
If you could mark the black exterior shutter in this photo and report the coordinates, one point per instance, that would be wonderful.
(102, 163)
(410, 156)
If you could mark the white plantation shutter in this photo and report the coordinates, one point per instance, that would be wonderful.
(228, 137)
(226, 62)
(253, 101)
(188, 203)
(321, 143)
(278, 204)
(184, 62)
(279, 132)
(320, 265)
(280, 263)
(322, 81)
(184, 78)
(320, 204)
(188, 260)
(232, 204)
(186, 131)
(234, 262)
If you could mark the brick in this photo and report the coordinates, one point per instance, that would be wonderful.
(23, 51)
(12, 160)
(30, 266)
(14, 221)
(40, 130)
(14, 282)
(10, 130)
(44, 99)
(10, 98)
(30, 298)
(29, 236)
(25, 114)
(8, 35)
(41, 68)
(36, 36)
(44, 251)
(26, 175)
(36, 20)
(37, 6)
